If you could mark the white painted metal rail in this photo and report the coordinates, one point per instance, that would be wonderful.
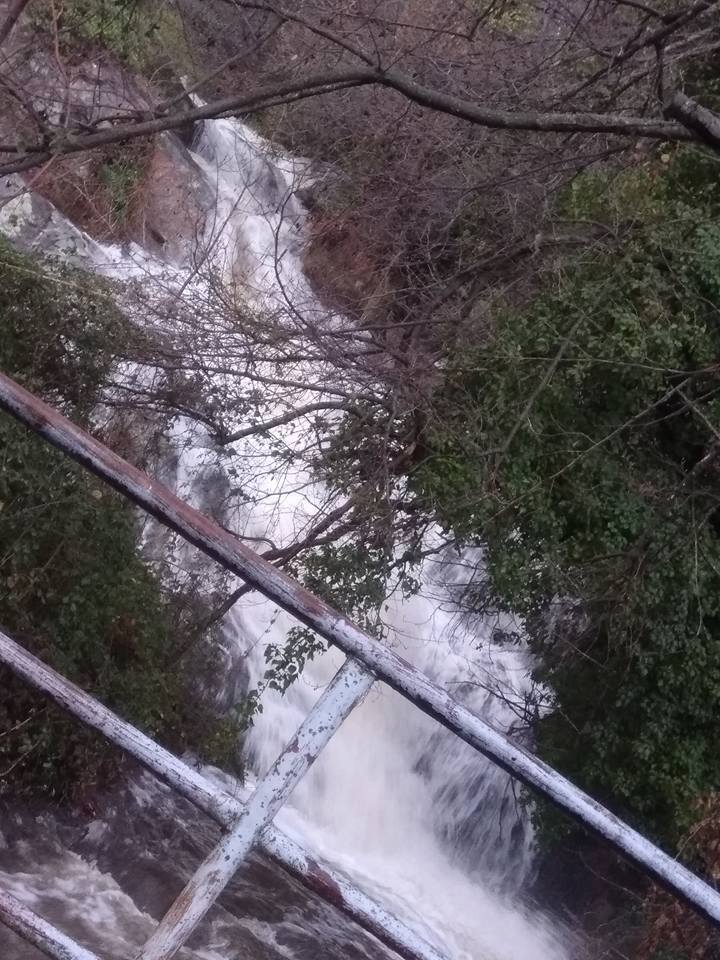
(206, 796)
(251, 823)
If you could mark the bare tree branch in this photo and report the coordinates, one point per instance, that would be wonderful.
(671, 23)
(695, 117)
(67, 141)
(288, 417)
(13, 15)
(62, 142)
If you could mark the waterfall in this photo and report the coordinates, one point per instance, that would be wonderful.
(417, 818)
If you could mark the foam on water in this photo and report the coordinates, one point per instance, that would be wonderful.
(416, 817)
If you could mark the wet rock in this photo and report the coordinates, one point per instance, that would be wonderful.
(174, 202)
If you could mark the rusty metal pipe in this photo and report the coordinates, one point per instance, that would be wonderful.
(223, 547)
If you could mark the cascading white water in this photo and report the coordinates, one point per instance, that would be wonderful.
(416, 817)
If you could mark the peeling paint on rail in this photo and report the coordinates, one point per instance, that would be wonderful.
(337, 890)
(223, 547)
(188, 782)
(348, 687)
(212, 800)
(39, 932)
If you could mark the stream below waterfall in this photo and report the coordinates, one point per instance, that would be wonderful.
(416, 818)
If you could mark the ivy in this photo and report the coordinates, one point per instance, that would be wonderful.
(350, 579)
(73, 586)
(145, 35)
(580, 445)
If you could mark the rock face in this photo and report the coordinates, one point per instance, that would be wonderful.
(342, 270)
(142, 191)
(170, 215)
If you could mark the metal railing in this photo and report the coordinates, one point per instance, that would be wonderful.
(249, 824)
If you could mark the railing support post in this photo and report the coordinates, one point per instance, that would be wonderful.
(349, 686)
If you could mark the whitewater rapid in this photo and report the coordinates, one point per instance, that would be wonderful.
(418, 819)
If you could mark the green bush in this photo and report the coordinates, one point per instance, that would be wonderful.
(581, 445)
(147, 35)
(73, 587)
(121, 177)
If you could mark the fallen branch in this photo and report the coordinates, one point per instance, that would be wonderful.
(692, 115)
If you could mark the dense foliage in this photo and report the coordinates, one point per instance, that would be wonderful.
(73, 587)
(580, 445)
(146, 35)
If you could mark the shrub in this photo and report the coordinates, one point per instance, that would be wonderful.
(580, 446)
(73, 587)
(147, 35)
